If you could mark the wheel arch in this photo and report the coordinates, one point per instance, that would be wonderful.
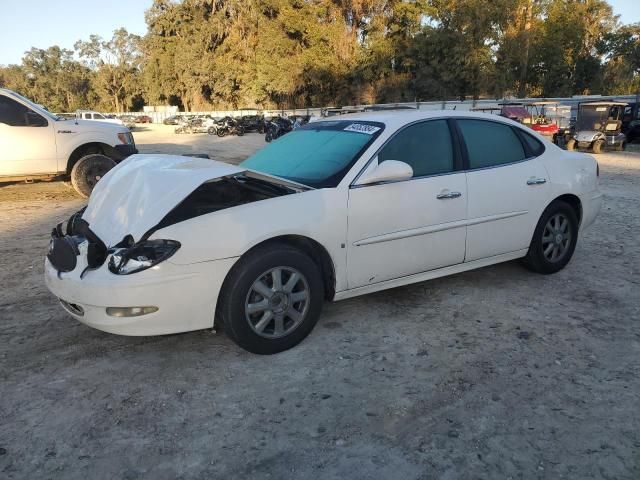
(89, 148)
(573, 201)
(314, 249)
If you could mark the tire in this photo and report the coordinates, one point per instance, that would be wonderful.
(211, 131)
(540, 258)
(221, 132)
(240, 131)
(571, 144)
(268, 137)
(238, 293)
(598, 146)
(622, 146)
(88, 171)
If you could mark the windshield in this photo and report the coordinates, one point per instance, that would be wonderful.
(318, 154)
(594, 117)
(37, 108)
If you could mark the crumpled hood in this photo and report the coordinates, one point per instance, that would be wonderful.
(135, 195)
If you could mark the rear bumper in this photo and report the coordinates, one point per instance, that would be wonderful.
(185, 296)
(591, 205)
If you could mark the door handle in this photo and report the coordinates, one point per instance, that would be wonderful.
(447, 195)
(536, 181)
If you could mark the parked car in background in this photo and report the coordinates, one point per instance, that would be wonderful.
(38, 144)
(334, 209)
(252, 123)
(173, 120)
(96, 116)
(128, 121)
(143, 119)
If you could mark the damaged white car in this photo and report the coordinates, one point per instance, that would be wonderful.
(335, 209)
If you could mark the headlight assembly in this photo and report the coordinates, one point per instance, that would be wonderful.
(141, 256)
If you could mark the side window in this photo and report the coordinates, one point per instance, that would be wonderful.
(426, 146)
(490, 144)
(87, 116)
(97, 116)
(17, 115)
(534, 146)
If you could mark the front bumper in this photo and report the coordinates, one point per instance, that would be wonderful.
(185, 295)
(125, 150)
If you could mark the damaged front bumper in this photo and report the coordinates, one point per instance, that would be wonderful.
(184, 296)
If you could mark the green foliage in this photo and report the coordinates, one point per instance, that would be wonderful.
(203, 54)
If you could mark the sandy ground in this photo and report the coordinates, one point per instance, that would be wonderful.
(492, 374)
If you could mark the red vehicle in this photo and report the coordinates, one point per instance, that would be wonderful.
(144, 119)
(540, 120)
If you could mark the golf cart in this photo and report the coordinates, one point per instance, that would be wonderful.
(598, 126)
(541, 120)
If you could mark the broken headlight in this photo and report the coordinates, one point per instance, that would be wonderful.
(141, 256)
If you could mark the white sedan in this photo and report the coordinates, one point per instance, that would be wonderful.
(335, 209)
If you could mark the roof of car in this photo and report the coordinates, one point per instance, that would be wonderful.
(621, 104)
(401, 117)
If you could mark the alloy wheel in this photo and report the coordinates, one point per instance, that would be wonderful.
(277, 302)
(556, 238)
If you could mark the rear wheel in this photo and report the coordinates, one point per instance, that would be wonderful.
(240, 131)
(271, 299)
(221, 132)
(211, 131)
(598, 146)
(554, 239)
(88, 171)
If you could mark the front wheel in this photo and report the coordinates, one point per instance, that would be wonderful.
(571, 144)
(598, 146)
(211, 131)
(221, 132)
(87, 171)
(554, 239)
(271, 299)
(240, 131)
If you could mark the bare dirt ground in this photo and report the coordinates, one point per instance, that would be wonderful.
(491, 374)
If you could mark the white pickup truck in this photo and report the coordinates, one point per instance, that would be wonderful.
(35, 143)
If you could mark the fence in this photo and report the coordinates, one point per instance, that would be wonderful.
(464, 105)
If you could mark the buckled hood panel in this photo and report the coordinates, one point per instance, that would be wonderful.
(135, 195)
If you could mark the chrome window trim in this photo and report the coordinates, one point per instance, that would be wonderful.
(374, 156)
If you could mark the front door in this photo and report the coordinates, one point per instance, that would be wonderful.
(27, 139)
(402, 228)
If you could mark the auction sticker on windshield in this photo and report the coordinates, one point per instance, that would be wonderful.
(362, 128)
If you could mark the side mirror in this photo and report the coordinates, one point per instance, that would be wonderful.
(387, 171)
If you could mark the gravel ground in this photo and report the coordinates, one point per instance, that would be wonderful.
(496, 373)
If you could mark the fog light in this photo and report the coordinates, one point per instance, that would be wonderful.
(130, 311)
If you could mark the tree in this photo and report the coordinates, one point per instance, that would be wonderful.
(116, 64)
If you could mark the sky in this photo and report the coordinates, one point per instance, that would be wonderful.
(42, 23)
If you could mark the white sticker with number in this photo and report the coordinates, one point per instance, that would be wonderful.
(362, 128)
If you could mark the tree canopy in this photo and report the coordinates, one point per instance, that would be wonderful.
(206, 54)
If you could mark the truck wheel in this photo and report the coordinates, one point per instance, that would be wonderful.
(88, 171)
(571, 144)
(598, 146)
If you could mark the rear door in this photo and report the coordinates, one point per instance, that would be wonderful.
(402, 228)
(27, 139)
(508, 187)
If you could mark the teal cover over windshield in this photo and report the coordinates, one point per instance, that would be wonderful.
(318, 154)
